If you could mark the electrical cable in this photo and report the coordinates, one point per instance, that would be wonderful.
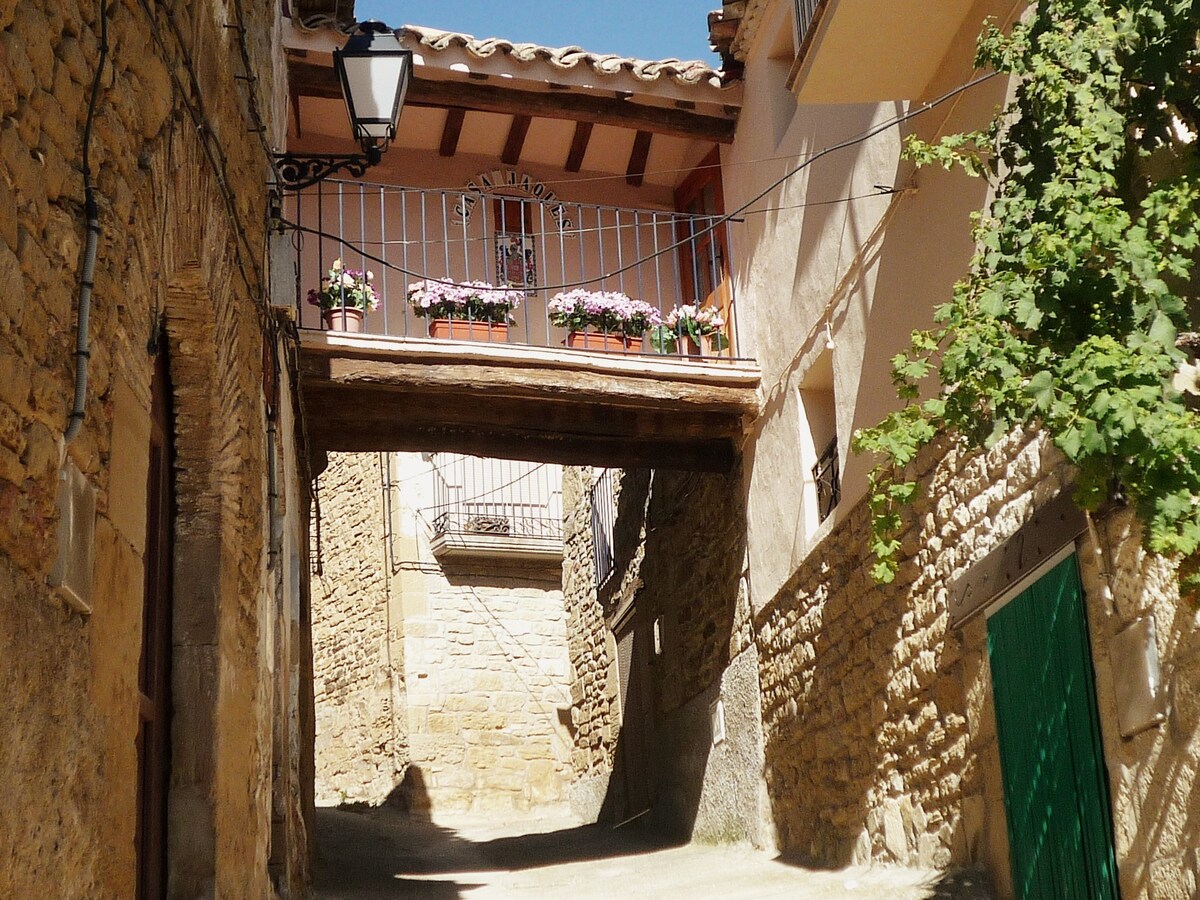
(718, 220)
(92, 212)
(578, 232)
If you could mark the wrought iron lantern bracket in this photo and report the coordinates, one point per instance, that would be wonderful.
(300, 170)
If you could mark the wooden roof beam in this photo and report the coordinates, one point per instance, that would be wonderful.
(516, 140)
(311, 80)
(636, 171)
(579, 145)
(451, 131)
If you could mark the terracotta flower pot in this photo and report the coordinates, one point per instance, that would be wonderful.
(609, 343)
(461, 330)
(343, 319)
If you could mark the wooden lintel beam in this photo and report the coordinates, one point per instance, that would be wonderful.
(579, 145)
(516, 140)
(701, 456)
(312, 80)
(579, 387)
(451, 131)
(635, 174)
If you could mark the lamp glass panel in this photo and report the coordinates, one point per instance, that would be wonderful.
(373, 82)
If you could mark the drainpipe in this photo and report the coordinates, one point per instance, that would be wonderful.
(92, 211)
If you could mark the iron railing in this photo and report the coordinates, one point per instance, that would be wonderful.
(604, 519)
(406, 235)
(476, 496)
(828, 481)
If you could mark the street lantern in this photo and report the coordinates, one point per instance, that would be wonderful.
(374, 72)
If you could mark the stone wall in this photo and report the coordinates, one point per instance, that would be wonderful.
(679, 546)
(182, 209)
(595, 704)
(469, 711)
(488, 697)
(880, 727)
(358, 664)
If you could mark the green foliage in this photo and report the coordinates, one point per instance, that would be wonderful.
(1084, 271)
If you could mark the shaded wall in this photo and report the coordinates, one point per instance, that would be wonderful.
(679, 562)
(358, 648)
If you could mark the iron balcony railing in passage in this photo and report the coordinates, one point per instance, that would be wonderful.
(510, 498)
(539, 248)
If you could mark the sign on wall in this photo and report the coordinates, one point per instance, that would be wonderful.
(510, 182)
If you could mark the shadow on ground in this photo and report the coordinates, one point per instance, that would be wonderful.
(371, 854)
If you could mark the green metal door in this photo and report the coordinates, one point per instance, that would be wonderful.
(1055, 785)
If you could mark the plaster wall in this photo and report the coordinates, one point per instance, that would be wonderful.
(828, 247)
(181, 251)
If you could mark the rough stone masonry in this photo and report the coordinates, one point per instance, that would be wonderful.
(180, 184)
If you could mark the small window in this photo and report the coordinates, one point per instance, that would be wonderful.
(604, 516)
(828, 482)
(819, 443)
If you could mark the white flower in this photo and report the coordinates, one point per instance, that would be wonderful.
(1187, 379)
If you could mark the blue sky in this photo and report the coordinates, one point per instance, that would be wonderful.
(649, 29)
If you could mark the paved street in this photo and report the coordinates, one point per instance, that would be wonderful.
(382, 854)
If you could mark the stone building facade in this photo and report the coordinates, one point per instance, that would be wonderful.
(441, 682)
(871, 731)
(180, 186)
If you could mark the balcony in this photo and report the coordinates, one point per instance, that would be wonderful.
(861, 51)
(407, 382)
(499, 508)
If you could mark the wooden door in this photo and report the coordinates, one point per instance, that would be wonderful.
(154, 670)
(1055, 783)
(633, 748)
(703, 258)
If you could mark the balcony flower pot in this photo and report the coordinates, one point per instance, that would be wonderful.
(347, 319)
(466, 311)
(463, 330)
(602, 320)
(691, 331)
(616, 342)
(344, 298)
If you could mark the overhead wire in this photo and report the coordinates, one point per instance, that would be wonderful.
(717, 222)
(670, 218)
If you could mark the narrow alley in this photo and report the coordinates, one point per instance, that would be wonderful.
(384, 853)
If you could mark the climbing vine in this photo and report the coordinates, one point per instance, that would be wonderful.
(1084, 273)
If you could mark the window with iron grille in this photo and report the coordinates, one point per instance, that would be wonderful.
(829, 485)
(806, 14)
(473, 495)
(604, 516)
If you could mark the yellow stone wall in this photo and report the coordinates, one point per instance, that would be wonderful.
(180, 183)
(441, 684)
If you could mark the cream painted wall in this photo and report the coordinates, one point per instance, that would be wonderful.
(873, 267)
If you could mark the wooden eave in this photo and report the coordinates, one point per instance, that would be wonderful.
(615, 108)
(374, 393)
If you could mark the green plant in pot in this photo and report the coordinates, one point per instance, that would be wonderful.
(686, 330)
